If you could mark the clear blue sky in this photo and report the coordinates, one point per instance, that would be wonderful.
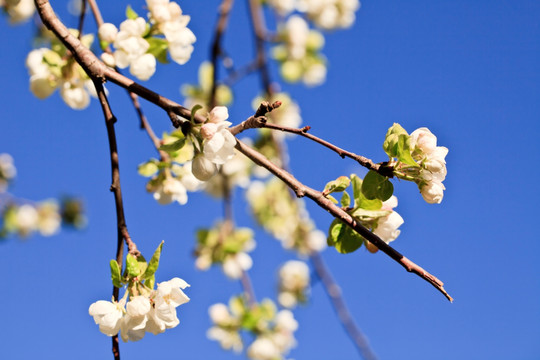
(468, 70)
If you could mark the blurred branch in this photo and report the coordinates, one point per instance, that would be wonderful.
(224, 11)
(81, 18)
(334, 293)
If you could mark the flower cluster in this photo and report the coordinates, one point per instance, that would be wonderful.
(139, 44)
(171, 178)
(273, 331)
(7, 171)
(293, 283)
(432, 160)
(18, 10)
(216, 144)
(200, 94)
(152, 312)
(417, 158)
(55, 69)
(225, 246)
(330, 14)
(284, 217)
(299, 55)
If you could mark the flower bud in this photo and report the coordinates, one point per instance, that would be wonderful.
(218, 114)
(424, 140)
(108, 59)
(202, 168)
(432, 192)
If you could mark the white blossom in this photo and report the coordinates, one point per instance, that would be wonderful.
(387, 226)
(19, 10)
(235, 265)
(432, 191)
(330, 14)
(218, 114)
(75, 94)
(143, 67)
(220, 147)
(170, 190)
(166, 298)
(202, 168)
(108, 315)
(7, 170)
(107, 32)
(283, 7)
(263, 349)
(26, 219)
(228, 339)
(315, 74)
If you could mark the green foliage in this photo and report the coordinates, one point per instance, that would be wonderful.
(115, 274)
(154, 263)
(343, 238)
(174, 146)
(397, 145)
(130, 13)
(158, 48)
(338, 185)
(376, 186)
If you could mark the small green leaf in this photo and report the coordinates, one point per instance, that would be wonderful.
(148, 168)
(132, 266)
(404, 150)
(130, 13)
(360, 201)
(343, 238)
(174, 146)
(115, 274)
(154, 262)
(345, 200)
(143, 265)
(376, 186)
(158, 48)
(150, 282)
(194, 111)
(332, 199)
(338, 185)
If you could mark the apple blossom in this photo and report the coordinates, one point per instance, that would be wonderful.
(220, 148)
(169, 190)
(107, 32)
(108, 315)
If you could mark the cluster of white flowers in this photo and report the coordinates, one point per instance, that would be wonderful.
(432, 160)
(154, 312)
(330, 14)
(218, 144)
(168, 18)
(49, 70)
(215, 246)
(293, 283)
(299, 56)
(25, 219)
(18, 10)
(274, 344)
(284, 217)
(7, 171)
(131, 47)
(274, 331)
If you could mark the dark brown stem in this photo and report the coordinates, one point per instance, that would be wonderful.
(334, 293)
(259, 29)
(81, 18)
(302, 190)
(224, 11)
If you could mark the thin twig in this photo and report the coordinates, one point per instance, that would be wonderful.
(261, 122)
(224, 11)
(334, 293)
(81, 18)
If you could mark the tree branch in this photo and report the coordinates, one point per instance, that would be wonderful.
(334, 293)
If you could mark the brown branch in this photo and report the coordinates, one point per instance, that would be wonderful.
(81, 18)
(259, 29)
(224, 11)
(98, 70)
(261, 122)
(334, 293)
(302, 190)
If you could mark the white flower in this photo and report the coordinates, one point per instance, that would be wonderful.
(74, 94)
(436, 162)
(108, 59)
(143, 67)
(202, 168)
(218, 114)
(432, 192)
(208, 130)
(49, 219)
(424, 140)
(294, 275)
(387, 226)
(167, 298)
(283, 7)
(287, 299)
(26, 219)
(330, 14)
(133, 325)
(171, 190)
(263, 349)
(228, 339)
(20, 11)
(316, 241)
(7, 170)
(107, 315)
(236, 264)
(220, 147)
(297, 31)
(219, 314)
(107, 32)
(315, 74)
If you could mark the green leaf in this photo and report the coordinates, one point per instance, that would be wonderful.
(148, 168)
(132, 266)
(154, 263)
(345, 199)
(369, 215)
(143, 265)
(360, 201)
(392, 138)
(343, 238)
(150, 282)
(376, 186)
(174, 146)
(158, 48)
(130, 13)
(404, 150)
(115, 274)
(194, 111)
(338, 185)
(332, 199)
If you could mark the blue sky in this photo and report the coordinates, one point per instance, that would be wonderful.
(467, 70)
